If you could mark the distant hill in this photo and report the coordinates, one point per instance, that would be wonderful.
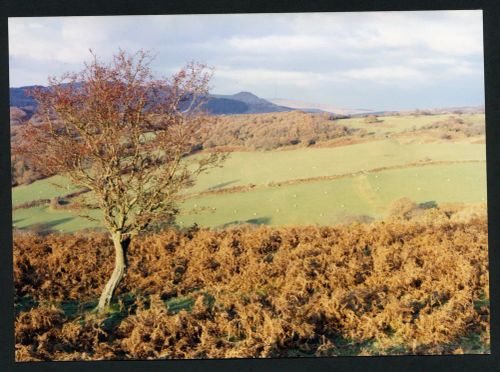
(18, 97)
(22, 107)
(242, 103)
(318, 107)
(239, 103)
(248, 103)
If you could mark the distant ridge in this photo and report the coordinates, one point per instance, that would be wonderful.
(318, 107)
(239, 103)
(249, 103)
(253, 104)
(18, 97)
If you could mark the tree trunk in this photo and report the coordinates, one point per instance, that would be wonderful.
(121, 246)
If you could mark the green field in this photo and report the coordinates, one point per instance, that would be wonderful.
(395, 124)
(261, 168)
(42, 189)
(329, 202)
(372, 175)
(43, 219)
(322, 202)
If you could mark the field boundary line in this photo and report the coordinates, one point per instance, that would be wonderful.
(253, 187)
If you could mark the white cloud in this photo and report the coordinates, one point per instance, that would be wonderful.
(387, 75)
(448, 32)
(310, 52)
(277, 43)
(256, 77)
(66, 41)
(38, 42)
(443, 38)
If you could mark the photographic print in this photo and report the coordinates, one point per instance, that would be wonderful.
(249, 185)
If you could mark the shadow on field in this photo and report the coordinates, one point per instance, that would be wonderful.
(252, 221)
(221, 185)
(124, 306)
(47, 227)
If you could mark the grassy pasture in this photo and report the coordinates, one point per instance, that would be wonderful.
(261, 168)
(327, 202)
(43, 218)
(396, 124)
(42, 189)
(321, 202)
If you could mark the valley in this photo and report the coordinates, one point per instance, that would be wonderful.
(324, 184)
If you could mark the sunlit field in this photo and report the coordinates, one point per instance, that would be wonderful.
(314, 185)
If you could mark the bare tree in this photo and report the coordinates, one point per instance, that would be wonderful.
(116, 130)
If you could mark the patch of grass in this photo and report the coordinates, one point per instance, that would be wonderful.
(42, 189)
(177, 304)
(114, 318)
(74, 309)
(347, 347)
(25, 303)
(397, 350)
(264, 167)
(483, 301)
(118, 310)
(474, 344)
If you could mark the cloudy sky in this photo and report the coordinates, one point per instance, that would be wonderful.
(376, 60)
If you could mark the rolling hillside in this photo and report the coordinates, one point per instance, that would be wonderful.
(313, 185)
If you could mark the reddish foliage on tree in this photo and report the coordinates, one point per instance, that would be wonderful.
(116, 130)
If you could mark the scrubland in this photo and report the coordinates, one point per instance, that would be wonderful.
(416, 283)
